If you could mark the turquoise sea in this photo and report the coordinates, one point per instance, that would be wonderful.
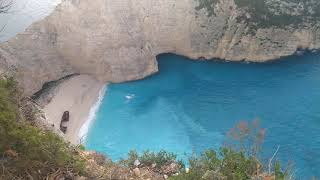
(191, 105)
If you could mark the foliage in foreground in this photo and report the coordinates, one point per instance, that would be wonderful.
(238, 160)
(26, 150)
(228, 164)
(149, 158)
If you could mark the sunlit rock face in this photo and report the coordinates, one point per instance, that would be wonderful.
(118, 40)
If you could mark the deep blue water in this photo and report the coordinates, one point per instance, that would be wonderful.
(191, 105)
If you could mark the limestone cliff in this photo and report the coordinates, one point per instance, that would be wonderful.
(118, 40)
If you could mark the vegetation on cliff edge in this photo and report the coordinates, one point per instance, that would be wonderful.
(26, 151)
(270, 13)
(239, 158)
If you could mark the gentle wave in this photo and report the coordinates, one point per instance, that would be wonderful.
(92, 116)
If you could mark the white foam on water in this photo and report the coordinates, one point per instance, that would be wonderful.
(129, 96)
(92, 116)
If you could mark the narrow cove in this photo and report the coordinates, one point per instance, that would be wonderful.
(191, 105)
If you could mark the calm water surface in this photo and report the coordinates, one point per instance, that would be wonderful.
(192, 105)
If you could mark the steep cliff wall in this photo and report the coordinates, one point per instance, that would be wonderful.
(118, 40)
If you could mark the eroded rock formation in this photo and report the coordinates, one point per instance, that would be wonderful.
(118, 40)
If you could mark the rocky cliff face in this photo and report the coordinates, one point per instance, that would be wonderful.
(118, 40)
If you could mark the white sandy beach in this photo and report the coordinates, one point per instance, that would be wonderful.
(76, 95)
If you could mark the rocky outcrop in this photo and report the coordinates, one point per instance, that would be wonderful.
(118, 40)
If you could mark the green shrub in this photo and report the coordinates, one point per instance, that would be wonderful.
(262, 17)
(129, 161)
(26, 149)
(228, 164)
(238, 160)
(207, 5)
(81, 147)
(160, 158)
(148, 158)
(278, 172)
(235, 165)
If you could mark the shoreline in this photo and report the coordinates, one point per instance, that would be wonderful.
(83, 131)
(81, 95)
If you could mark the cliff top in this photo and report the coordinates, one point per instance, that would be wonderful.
(271, 13)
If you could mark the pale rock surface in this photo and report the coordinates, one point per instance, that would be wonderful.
(118, 41)
(136, 172)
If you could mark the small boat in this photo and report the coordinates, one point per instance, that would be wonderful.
(65, 116)
(64, 120)
(63, 127)
(129, 96)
